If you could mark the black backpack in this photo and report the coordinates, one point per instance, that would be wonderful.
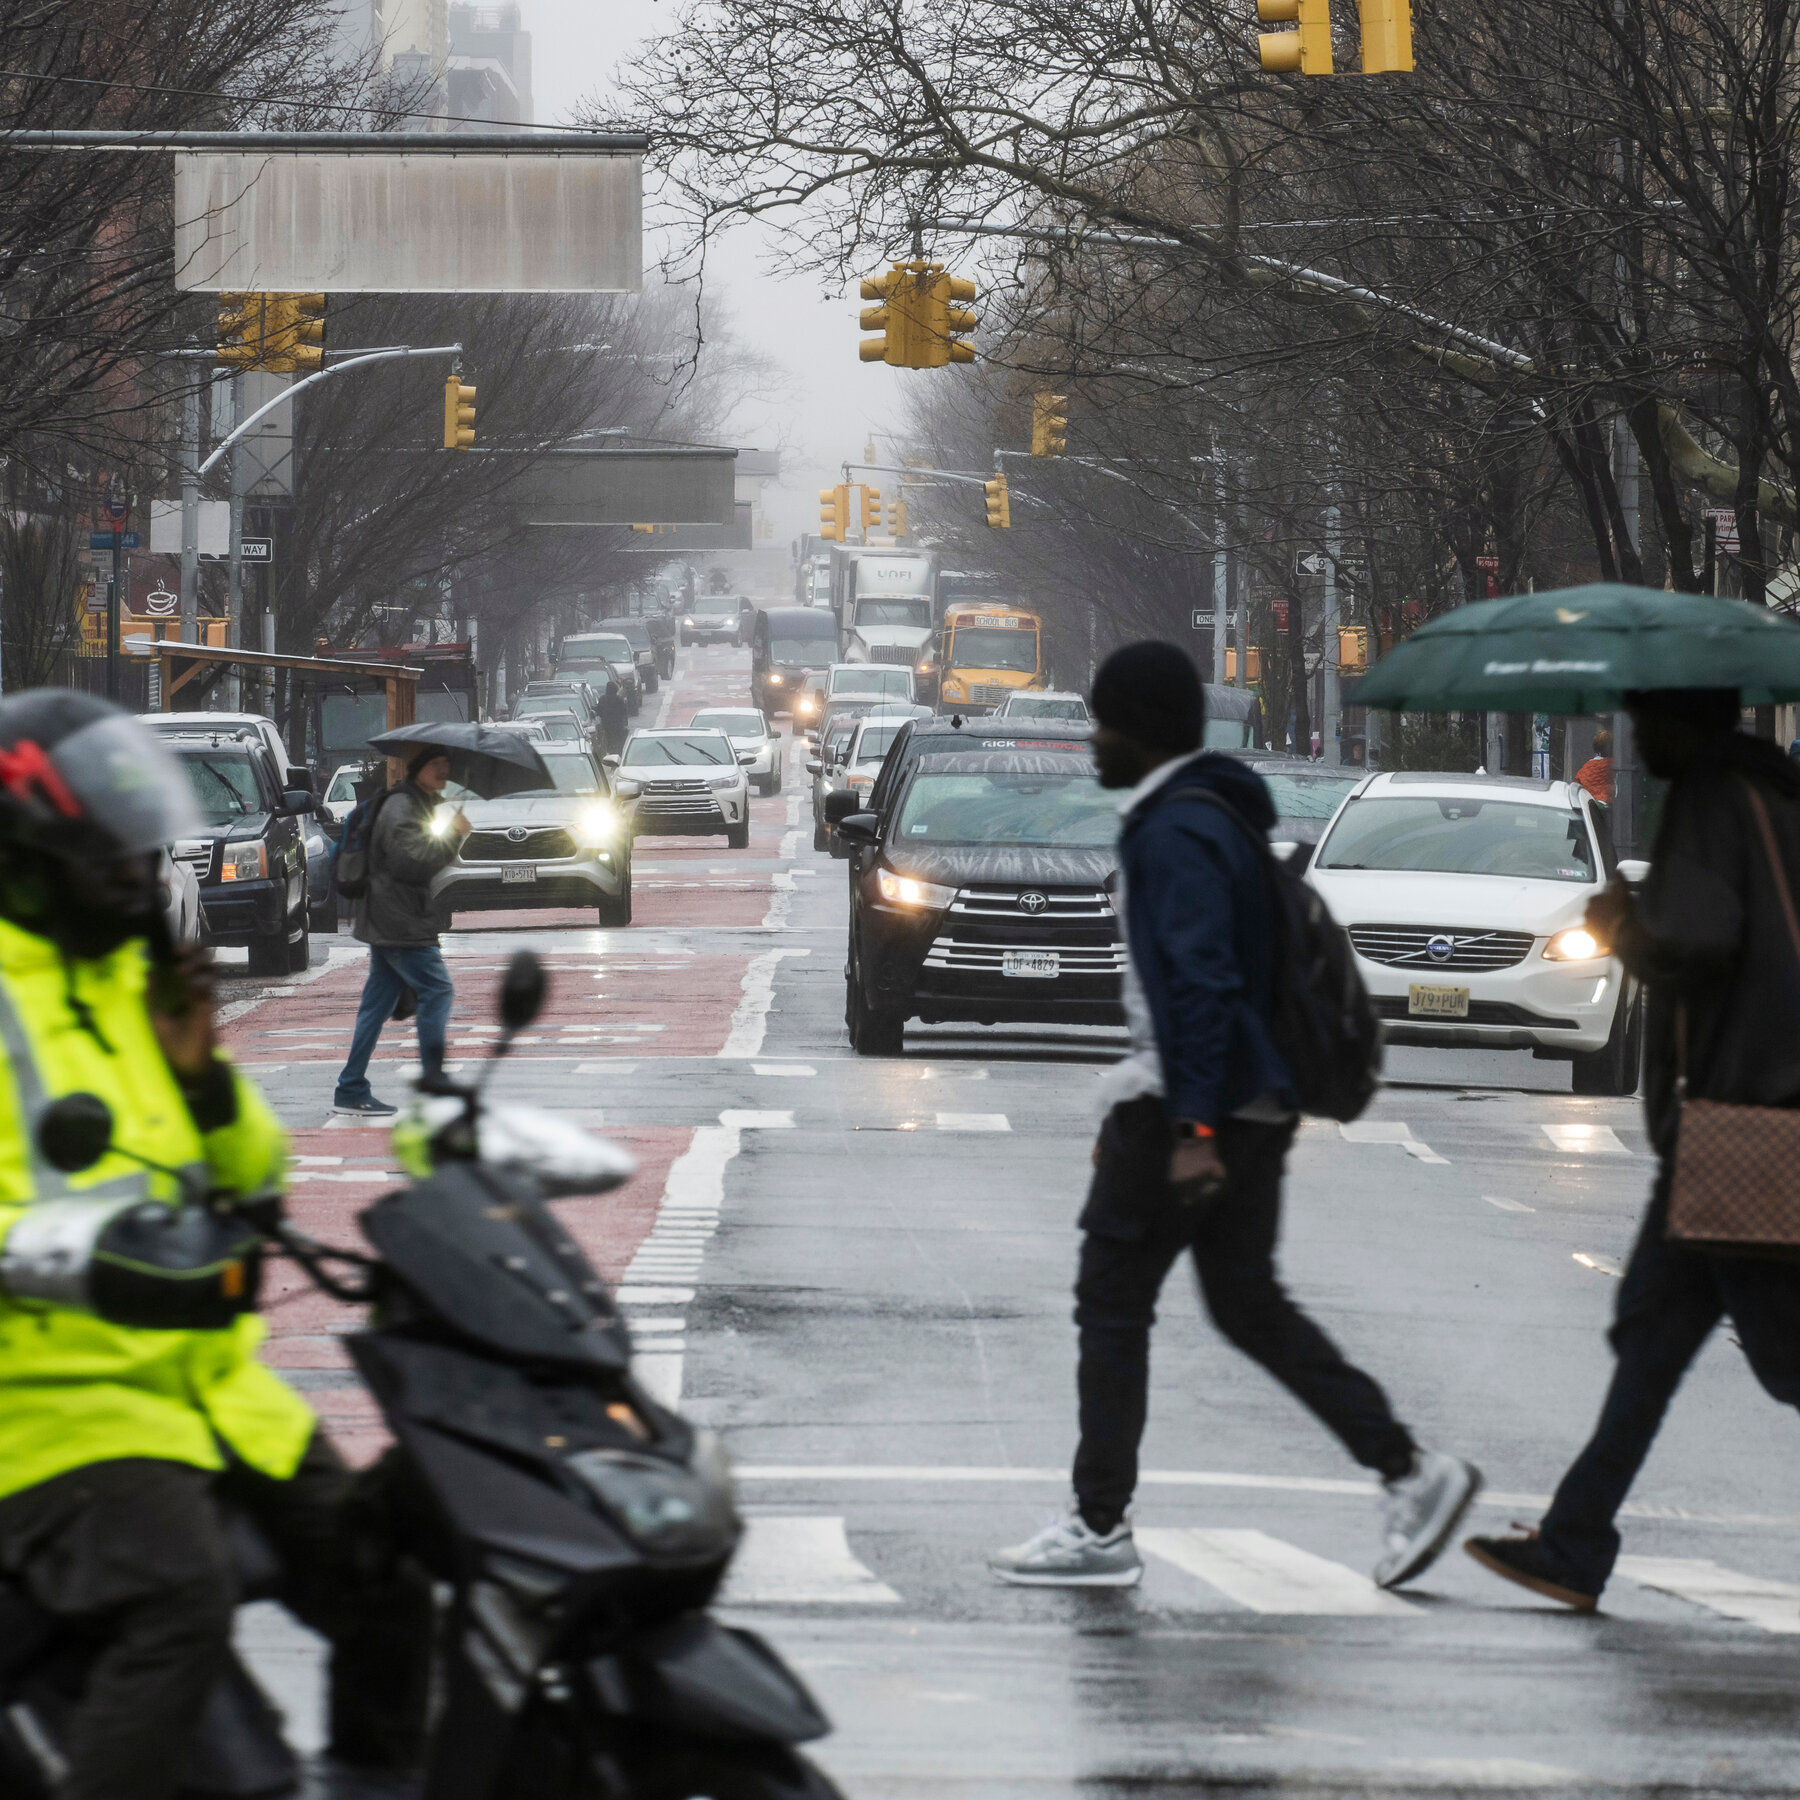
(1321, 1018)
(350, 861)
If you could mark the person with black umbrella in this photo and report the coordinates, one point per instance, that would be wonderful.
(396, 919)
(615, 716)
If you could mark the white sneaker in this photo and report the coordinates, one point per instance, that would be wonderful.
(1070, 1554)
(1420, 1511)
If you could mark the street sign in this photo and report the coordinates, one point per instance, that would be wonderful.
(103, 540)
(1315, 564)
(1201, 618)
(118, 502)
(256, 549)
(1725, 529)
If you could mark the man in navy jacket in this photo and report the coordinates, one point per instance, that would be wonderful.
(1198, 1122)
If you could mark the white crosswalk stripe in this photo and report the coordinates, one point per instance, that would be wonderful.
(1269, 1575)
(1774, 1605)
(1586, 1140)
(805, 1561)
(1390, 1131)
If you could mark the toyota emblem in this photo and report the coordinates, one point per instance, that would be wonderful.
(1440, 947)
(516, 834)
(1033, 903)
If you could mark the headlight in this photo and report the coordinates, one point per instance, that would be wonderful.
(626, 788)
(245, 862)
(723, 781)
(774, 681)
(687, 621)
(665, 1507)
(903, 890)
(597, 824)
(1574, 945)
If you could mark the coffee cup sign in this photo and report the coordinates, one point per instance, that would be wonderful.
(160, 603)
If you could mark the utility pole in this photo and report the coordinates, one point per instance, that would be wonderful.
(1628, 799)
(1221, 572)
(190, 514)
(1330, 750)
(234, 592)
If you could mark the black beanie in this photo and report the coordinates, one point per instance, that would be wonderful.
(1151, 692)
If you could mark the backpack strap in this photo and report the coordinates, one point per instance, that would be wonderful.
(1258, 838)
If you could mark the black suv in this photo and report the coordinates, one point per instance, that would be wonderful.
(250, 860)
(981, 890)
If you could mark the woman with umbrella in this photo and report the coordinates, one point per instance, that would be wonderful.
(1715, 937)
(408, 842)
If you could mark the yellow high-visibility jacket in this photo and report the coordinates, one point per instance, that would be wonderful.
(73, 1389)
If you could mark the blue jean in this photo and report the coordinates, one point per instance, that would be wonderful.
(419, 967)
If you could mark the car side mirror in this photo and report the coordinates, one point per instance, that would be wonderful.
(858, 827)
(522, 990)
(298, 800)
(844, 804)
(814, 766)
(1633, 870)
(74, 1132)
(609, 762)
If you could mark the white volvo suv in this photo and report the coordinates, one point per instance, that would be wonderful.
(1464, 897)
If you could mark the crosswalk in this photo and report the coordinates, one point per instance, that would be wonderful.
(809, 1560)
(1516, 1138)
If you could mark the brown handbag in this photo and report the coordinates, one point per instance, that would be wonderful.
(1736, 1185)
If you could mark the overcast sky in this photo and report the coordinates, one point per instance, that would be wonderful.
(834, 402)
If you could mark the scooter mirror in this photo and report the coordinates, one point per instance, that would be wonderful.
(75, 1132)
(522, 990)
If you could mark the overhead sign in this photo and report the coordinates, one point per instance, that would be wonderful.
(682, 540)
(103, 540)
(371, 223)
(629, 487)
(214, 527)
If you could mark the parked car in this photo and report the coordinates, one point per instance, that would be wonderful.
(826, 767)
(563, 849)
(711, 619)
(563, 699)
(593, 656)
(340, 792)
(684, 783)
(184, 724)
(982, 895)
(250, 861)
(756, 741)
(321, 889)
(1036, 703)
(532, 726)
(1464, 896)
(636, 632)
(182, 911)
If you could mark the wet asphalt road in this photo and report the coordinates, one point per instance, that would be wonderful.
(863, 1281)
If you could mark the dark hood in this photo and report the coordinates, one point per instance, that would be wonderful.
(1006, 865)
(1230, 779)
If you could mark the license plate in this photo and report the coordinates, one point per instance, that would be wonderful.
(1040, 964)
(518, 872)
(1437, 1002)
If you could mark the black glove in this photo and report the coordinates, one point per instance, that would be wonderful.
(174, 1268)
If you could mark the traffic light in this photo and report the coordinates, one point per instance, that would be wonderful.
(1386, 36)
(242, 330)
(999, 504)
(917, 319)
(1353, 646)
(459, 414)
(1252, 657)
(1306, 51)
(871, 508)
(1049, 427)
(300, 332)
(834, 512)
(896, 516)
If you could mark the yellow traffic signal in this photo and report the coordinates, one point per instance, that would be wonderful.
(999, 503)
(300, 339)
(834, 512)
(1049, 426)
(1386, 36)
(242, 330)
(1303, 52)
(1353, 646)
(871, 508)
(1252, 657)
(896, 516)
(917, 319)
(459, 414)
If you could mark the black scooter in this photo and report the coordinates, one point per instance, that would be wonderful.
(580, 1528)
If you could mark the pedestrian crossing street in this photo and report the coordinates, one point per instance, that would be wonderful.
(809, 1559)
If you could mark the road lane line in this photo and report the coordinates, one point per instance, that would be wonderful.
(973, 1121)
(1392, 1132)
(1773, 1605)
(1270, 1575)
(794, 1069)
(751, 1019)
(800, 1562)
(1586, 1140)
(1506, 1205)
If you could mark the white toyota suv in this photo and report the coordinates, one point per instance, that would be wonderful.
(1464, 897)
(684, 783)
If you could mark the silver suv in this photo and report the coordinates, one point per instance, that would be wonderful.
(684, 783)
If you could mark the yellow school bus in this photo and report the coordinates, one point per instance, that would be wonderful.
(987, 650)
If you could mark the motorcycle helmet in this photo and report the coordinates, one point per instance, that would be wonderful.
(88, 799)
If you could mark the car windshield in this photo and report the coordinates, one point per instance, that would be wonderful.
(837, 741)
(1057, 802)
(870, 678)
(545, 703)
(634, 632)
(572, 772)
(1308, 796)
(872, 746)
(733, 724)
(590, 651)
(682, 751)
(1226, 734)
(819, 648)
(1460, 835)
(714, 604)
(994, 647)
(224, 782)
(895, 612)
(1047, 709)
(559, 727)
(343, 785)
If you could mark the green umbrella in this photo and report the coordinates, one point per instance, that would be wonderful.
(1581, 650)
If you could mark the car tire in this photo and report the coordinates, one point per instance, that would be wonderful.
(873, 1031)
(269, 955)
(737, 837)
(299, 950)
(774, 786)
(821, 836)
(652, 681)
(1614, 1070)
(615, 909)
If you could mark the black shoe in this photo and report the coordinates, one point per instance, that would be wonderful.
(1525, 1560)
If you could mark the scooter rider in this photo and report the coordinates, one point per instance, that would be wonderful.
(119, 1442)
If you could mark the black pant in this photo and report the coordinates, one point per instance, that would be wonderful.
(1137, 1223)
(1669, 1300)
(135, 1552)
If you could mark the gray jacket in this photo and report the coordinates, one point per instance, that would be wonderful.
(396, 909)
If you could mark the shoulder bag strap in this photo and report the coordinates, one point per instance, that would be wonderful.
(1773, 852)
